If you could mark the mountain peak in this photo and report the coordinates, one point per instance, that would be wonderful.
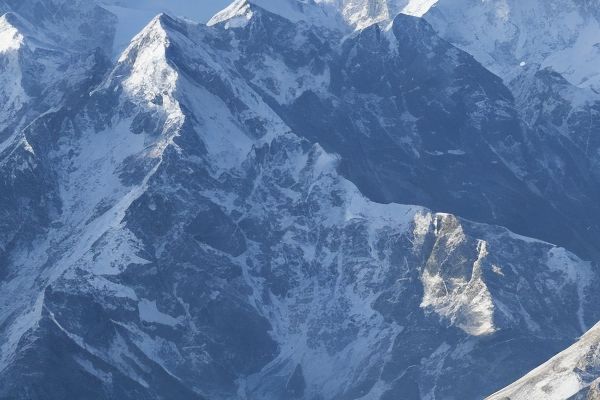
(236, 14)
(295, 11)
(10, 35)
(362, 13)
(336, 14)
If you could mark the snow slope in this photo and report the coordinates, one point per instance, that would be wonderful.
(569, 375)
(506, 35)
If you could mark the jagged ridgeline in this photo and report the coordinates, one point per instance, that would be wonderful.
(314, 200)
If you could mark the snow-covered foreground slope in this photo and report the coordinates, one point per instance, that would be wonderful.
(572, 374)
(187, 223)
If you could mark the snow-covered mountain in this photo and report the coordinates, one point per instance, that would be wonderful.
(300, 199)
(345, 15)
(507, 35)
(572, 374)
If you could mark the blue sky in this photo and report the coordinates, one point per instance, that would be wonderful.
(135, 14)
(200, 10)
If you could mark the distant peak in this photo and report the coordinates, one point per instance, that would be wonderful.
(241, 11)
(235, 14)
(339, 14)
(162, 24)
(362, 13)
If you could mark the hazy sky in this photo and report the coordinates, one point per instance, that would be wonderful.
(135, 14)
(200, 10)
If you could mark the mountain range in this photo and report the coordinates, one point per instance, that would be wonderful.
(300, 199)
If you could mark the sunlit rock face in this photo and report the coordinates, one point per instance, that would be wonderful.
(288, 202)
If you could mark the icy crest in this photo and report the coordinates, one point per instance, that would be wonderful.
(333, 14)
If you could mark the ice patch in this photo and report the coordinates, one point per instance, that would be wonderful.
(149, 313)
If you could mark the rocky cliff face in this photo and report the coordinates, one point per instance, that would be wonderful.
(218, 214)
